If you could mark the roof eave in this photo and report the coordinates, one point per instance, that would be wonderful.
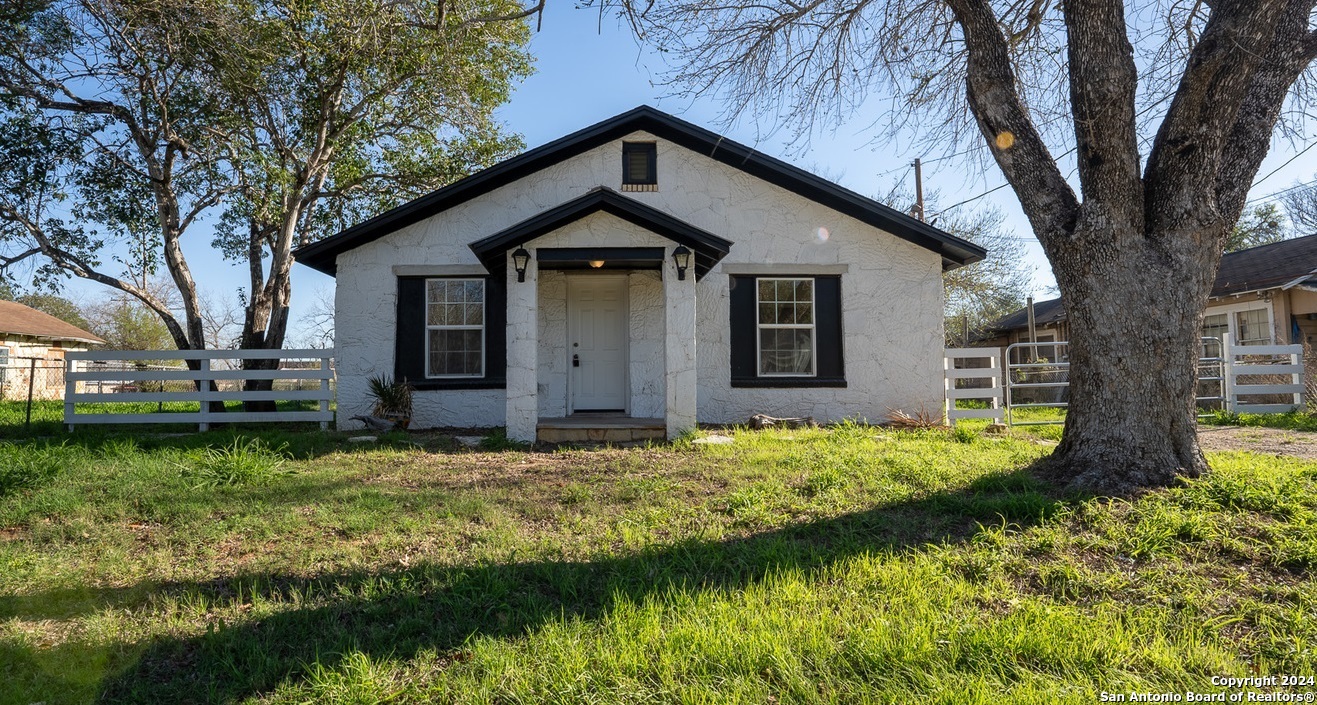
(955, 251)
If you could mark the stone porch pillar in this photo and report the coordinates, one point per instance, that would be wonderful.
(523, 352)
(679, 349)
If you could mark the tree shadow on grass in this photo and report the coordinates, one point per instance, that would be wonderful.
(395, 614)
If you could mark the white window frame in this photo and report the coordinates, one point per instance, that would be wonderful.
(812, 327)
(1230, 311)
(4, 356)
(484, 302)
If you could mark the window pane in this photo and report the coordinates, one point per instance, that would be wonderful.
(786, 351)
(475, 291)
(804, 290)
(767, 314)
(637, 165)
(766, 290)
(1253, 327)
(786, 313)
(435, 315)
(804, 313)
(455, 352)
(475, 314)
(1216, 325)
(434, 291)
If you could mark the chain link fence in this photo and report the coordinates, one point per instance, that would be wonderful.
(31, 392)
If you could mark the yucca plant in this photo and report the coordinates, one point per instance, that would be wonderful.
(392, 399)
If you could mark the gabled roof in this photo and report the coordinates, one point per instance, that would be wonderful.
(709, 248)
(1267, 266)
(955, 252)
(17, 319)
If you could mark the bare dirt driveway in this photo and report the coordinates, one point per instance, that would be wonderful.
(1273, 441)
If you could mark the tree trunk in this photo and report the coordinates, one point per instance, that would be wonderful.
(266, 321)
(1135, 314)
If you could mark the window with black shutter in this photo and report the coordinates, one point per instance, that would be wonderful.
(451, 332)
(786, 331)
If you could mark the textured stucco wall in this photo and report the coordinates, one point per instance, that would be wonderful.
(891, 294)
(647, 348)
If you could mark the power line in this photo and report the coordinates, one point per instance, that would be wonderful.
(1283, 191)
(1287, 163)
(971, 200)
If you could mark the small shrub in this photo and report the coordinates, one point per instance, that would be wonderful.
(922, 419)
(28, 467)
(961, 434)
(392, 399)
(250, 463)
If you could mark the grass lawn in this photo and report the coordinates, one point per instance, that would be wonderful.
(835, 565)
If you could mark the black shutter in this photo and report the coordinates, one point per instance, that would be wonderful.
(829, 347)
(744, 337)
(409, 338)
(496, 330)
(827, 326)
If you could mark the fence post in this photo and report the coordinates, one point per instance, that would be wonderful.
(324, 391)
(31, 379)
(994, 362)
(1297, 379)
(70, 389)
(1228, 372)
(203, 392)
(948, 384)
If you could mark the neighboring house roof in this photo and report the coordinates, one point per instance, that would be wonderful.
(1044, 312)
(955, 252)
(1284, 265)
(17, 319)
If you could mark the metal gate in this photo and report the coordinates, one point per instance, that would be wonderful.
(1038, 381)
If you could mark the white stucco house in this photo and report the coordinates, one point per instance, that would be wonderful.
(635, 278)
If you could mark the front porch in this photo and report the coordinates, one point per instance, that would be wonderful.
(601, 339)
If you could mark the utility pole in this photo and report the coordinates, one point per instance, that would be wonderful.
(1033, 331)
(919, 189)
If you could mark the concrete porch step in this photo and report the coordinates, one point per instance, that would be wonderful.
(600, 428)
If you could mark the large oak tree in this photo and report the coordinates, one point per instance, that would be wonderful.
(124, 126)
(1168, 108)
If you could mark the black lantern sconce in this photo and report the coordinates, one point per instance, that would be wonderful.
(682, 258)
(520, 259)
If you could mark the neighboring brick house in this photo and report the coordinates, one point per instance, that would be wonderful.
(27, 334)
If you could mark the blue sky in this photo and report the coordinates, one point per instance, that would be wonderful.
(588, 70)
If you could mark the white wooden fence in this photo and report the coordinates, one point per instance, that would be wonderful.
(128, 385)
(1279, 366)
(991, 393)
(1271, 361)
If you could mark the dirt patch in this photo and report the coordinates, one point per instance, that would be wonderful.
(1272, 441)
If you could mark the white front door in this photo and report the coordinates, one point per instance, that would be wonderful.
(597, 343)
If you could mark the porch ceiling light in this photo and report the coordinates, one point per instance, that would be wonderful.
(682, 257)
(596, 263)
(520, 259)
